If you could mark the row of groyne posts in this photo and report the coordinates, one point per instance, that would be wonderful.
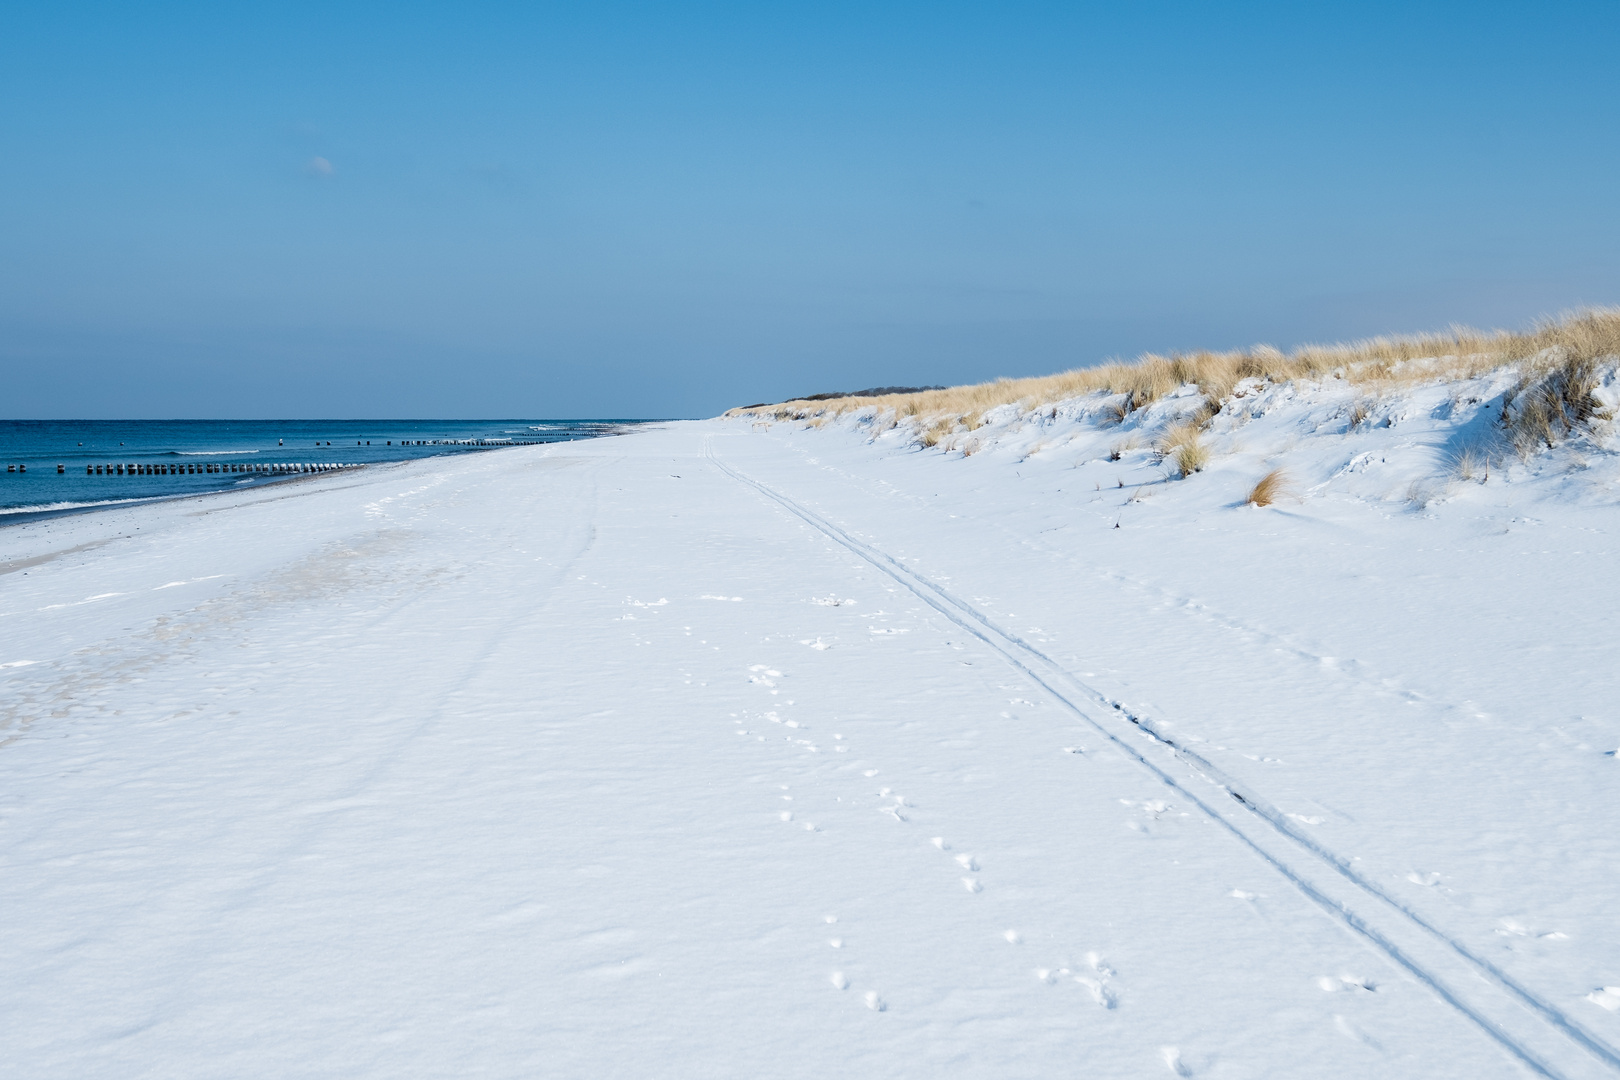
(281, 469)
(198, 469)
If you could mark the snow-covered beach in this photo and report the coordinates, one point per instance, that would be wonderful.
(731, 749)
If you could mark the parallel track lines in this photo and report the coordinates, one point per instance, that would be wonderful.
(1523, 1023)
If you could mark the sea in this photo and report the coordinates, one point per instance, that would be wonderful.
(50, 467)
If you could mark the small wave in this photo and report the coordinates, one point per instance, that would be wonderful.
(209, 453)
(39, 508)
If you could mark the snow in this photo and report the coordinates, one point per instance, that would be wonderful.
(720, 750)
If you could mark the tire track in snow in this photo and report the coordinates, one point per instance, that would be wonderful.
(1354, 669)
(1522, 1022)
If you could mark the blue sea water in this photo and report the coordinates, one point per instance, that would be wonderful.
(166, 453)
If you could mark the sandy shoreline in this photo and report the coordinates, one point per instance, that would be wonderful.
(704, 751)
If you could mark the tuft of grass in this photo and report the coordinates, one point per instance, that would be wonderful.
(1121, 448)
(1554, 397)
(1271, 487)
(1420, 493)
(1359, 413)
(938, 430)
(1184, 445)
(1471, 463)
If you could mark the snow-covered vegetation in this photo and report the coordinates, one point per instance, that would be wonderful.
(1429, 411)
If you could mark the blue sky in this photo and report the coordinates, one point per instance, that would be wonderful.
(665, 210)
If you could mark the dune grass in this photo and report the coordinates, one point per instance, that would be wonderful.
(1270, 488)
(1183, 444)
(1551, 401)
(1557, 361)
(1470, 463)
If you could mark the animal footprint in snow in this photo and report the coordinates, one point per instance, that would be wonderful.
(972, 884)
(1423, 879)
(1515, 928)
(836, 942)
(875, 1003)
(939, 842)
(1153, 808)
(1172, 1059)
(1606, 996)
(1332, 983)
(1097, 981)
(1013, 937)
(1099, 991)
(838, 981)
(968, 863)
(1351, 1031)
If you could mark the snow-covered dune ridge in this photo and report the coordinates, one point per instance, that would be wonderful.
(1414, 446)
(1402, 421)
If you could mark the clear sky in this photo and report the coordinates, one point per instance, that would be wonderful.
(604, 209)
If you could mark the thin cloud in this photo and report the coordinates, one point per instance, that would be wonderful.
(318, 166)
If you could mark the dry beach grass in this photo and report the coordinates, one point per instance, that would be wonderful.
(1269, 489)
(1557, 361)
(1183, 445)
